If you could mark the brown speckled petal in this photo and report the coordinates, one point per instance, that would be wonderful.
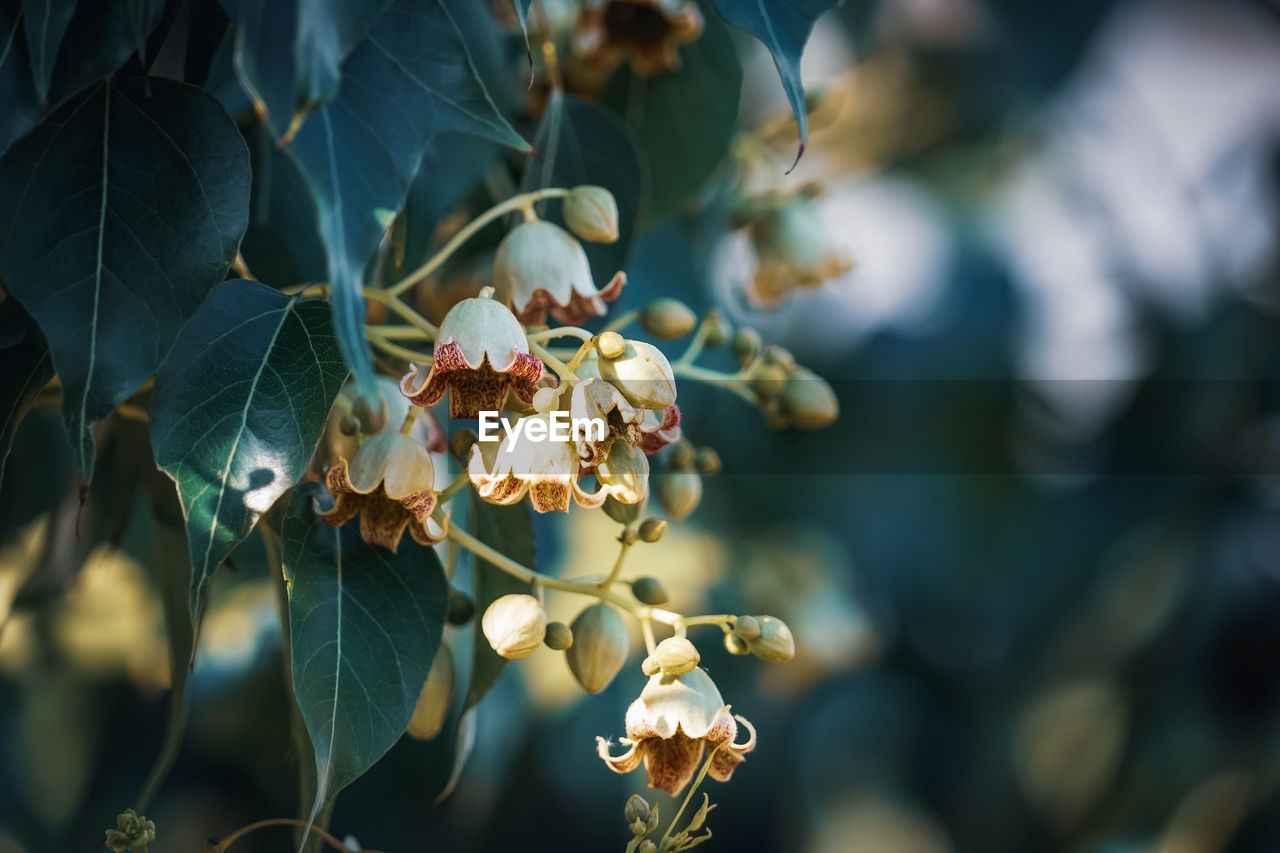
(624, 763)
(730, 755)
(382, 521)
(672, 763)
(345, 507)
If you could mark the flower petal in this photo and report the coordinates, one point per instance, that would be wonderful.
(671, 763)
(624, 763)
(730, 755)
(345, 507)
(424, 391)
(382, 521)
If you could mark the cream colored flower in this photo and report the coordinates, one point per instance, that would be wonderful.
(548, 471)
(540, 267)
(390, 483)
(642, 428)
(670, 725)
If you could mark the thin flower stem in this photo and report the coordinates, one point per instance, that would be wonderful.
(397, 306)
(411, 332)
(561, 369)
(456, 485)
(626, 542)
(398, 351)
(646, 628)
(731, 382)
(225, 843)
(410, 418)
(693, 789)
(695, 346)
(561, 332)
(623, 320)
(523, 202)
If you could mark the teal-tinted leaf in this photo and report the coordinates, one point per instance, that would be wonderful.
(45, 22)
(239, 406)
(784, 27)
(410, 79)
(509, 529)
(142, 16)
(522, 14)
(117, 215)
(27, 369)
(583, 143)
(451, 169)
(288, 53)
(365, 624)
(684, 120)
(282, 246)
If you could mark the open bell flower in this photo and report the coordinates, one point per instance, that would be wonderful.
(645, 429)
(669, 726)
(390, 483)
(645, 33)
(503, 472)
(540, 267)
(481, 355)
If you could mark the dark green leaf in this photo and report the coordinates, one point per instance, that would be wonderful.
(522, 14)
(27, 369)
(365, 624)
(509, 529)
(239, 406)
(784, 27)
(282, 246)
(410, 79)
(582, 143)
(117, 216)
(684, 120)
(45, 22)
(452, 167)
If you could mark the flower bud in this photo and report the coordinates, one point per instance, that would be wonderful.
(775, 641)
(746, 627)
(559, 636)
(620, 512)
(514, 625)
(649, 666)
(676, 656)
(651, 529)
(461, 608)
(809, 401)
(682, 456)
(735, 645)
(647, 846)
(545, 399)
(599, 649)
(707, 461)
(746, 343)
(370, 418)
(718, 330)
(636, 809)
(679, 492)
(667, 319)
(643, 375)
(349, 425)
(780, 356)
(436, 696)
(611, 344)
(649, 590)
(592, 213)
(768, 381)
(460, 442)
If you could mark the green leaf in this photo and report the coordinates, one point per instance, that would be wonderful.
(452, 167)
(239, 406)
(509, 529)
(117, 216)
(282, 245)
(45, 22)
(365, 624)
(684, 120)
(784, 27)
(27, 370)
(583, 143)
(410, 79)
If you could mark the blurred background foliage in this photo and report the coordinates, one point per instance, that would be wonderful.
(1033, 571)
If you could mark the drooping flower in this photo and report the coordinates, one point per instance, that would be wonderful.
(548, 471)
(481, 354)
(670, 725)
(541, 267)
(645, 429)
(390, 483)
(793, 249)
(645, 33)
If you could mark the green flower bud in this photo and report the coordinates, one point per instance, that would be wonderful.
(643, 375)
(349, 425)
(676, 656)
(514, 625)
(638, 828)
(637, 808)
(768, 380)
(647, 846)
(133, 833)
(620, 512)
(592, 213)
(735, 645)
(746, 343)
(682, 456)
(599, 649)
(651, 529)
(649, 590)
(460, 608)
(667, 319)
(679, 492)
(559, 636)
(718, 330)
(746, 627)
(707, 461)
(780, 356)
(460, 442)
(611, 344)
(809, 401)
(775, 641)
(434, 699)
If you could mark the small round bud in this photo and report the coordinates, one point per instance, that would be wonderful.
(746, 343)
(746, 627)
(735, 645)
(775, 641)
(461, 608)
(679, 492)
(718, 330)
(611, 344)
(599, 649)
(649, 590)
(707, 461)
(371, 419)
(667, 319)
(647, 846)
(768, 381)
(559, 636)
(349, 425)
(637, 808)
(545, 399)
(436, 696)
(514, 625)
(682, 456)
(642, 373)
(651, 529)
(592, 213)
(460, 442)
(676, 656)
(649, 666)
(780, 356)
(809, 401)
(623, 513)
